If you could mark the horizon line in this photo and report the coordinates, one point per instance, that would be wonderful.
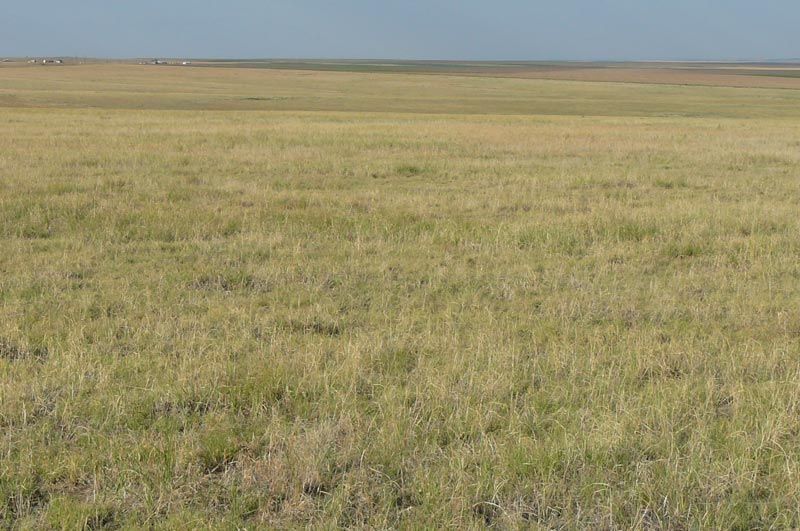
(406, 60)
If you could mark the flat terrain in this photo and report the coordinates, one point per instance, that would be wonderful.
(168, 87)
(752, 75)
(236, 297)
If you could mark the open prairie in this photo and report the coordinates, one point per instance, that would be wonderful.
(246, 298)
(742, 74)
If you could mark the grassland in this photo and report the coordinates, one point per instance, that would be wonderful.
(251, 298)
(749, 75)
(144, 87)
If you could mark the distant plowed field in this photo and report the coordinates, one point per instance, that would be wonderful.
(746, 78)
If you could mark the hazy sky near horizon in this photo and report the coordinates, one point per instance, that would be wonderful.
(411, 29)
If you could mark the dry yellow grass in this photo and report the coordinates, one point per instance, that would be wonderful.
(287, 318)
(124, 86)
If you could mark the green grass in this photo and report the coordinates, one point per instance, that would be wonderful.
(284, 318)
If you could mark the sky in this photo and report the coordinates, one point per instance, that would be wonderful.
(404, 29)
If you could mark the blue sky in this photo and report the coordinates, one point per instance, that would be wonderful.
(412, 29)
